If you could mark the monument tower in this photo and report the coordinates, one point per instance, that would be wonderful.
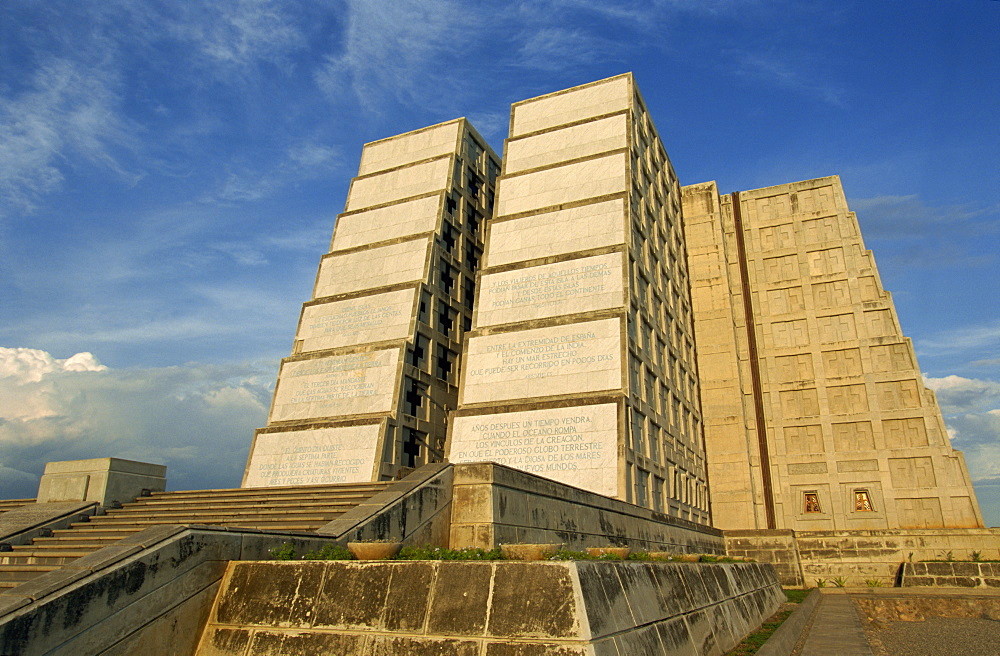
(580, 363)
(366, 392)
(816, 416)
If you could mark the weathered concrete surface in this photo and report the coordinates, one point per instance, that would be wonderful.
(154, 585)
(105, 480)
(917, 605)
(946, 574)
(22, 525)
(782, 641)
(494, 504)
(415, 510)
(495, 608)
(804, 557)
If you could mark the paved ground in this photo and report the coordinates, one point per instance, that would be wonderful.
(838, 629)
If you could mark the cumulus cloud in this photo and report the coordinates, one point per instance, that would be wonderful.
(197, 419)
(971, 409)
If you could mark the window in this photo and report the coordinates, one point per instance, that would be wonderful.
(863, 501)
(811, 502)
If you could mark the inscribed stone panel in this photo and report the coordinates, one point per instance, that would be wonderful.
(846, 399)
(857, 465)
(577, 446)
(804, 439)
(835, 293)
(384, 223)
(778, 269)
(879, 323)
(610, 96)
(358, 383)
(837, 328)
(868, 288)
(555, 233)
(786, 334)
(825, 262)
(790, 368)
(375, 267)
(308, 457)
(583, 285)
(784, 300)
(568, 143)
(779, 236)
(891, 357)
(898, 395)
(398, 184)
(824, 229)
(853, 436)
(920, 513)
(845, 362)
(407, 148)
(356, 321)
(904, 433)
(576, 358)
(562, 184)
(912, 472)
(799, 403)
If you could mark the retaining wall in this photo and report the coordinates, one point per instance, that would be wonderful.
(496, 608)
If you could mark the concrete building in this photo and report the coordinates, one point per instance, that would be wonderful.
(366, 392)
(816, 416)
(580, 363)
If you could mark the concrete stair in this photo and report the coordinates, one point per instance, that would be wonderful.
(11, 504)
(294, 509)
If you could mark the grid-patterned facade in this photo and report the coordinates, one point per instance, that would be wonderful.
(584, 316)
(366, 393)
(818, 417)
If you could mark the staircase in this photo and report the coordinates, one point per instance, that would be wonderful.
(278, 509)
(10, 504)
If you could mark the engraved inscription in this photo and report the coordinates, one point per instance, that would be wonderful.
(577, 446)
(309, 457)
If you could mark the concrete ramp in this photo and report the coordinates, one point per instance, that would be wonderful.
(488, 608)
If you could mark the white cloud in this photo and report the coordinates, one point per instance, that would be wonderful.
(555, 49)
(909, 217)
(68, 110)
(968, 338)
(404, 49)
(786, 72)
(196, 419)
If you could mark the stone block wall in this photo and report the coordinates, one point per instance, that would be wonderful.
(488, 608)
(959, 575)
(804, 557)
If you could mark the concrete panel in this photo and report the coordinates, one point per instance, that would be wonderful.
(384, 223)
(577, 446)
(563, 184)
(583, 285)
(355, 321)
(568, 143)
(372, 268)
(398, 184)
(358, 383)
(549, 111)
(583, 357)
(410, 147)
(344, 454)
(556, 233)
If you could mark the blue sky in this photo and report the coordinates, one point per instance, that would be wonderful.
(170, 174)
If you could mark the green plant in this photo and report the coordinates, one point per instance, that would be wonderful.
(796, 596)
(284, 552)
(329, 552)
(840, 581)
(947, 556)
(977, 556)
(821, 583)
(874, 583)
(910, 557)
(639, 555)
(428, 552)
